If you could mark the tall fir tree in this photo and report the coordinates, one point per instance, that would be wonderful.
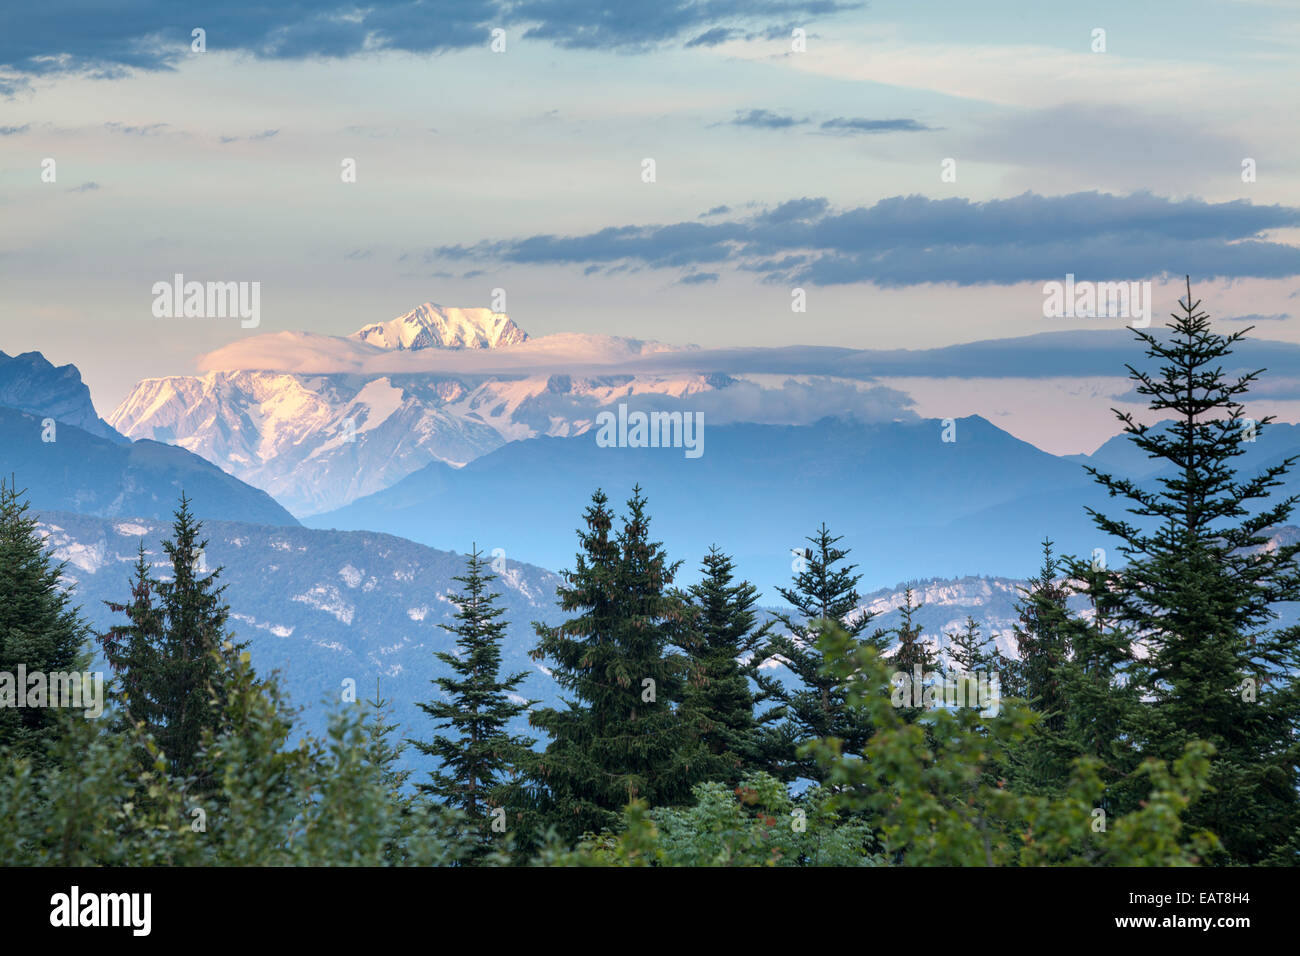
(718, 703)
(174, 651)
(1040, 765)
(619, 737)
(914, 658)
(481, 755)
(823, 589)
(134, 649)
(1198, 584)
(1042, 641)
(39, 628)
(1099, 695)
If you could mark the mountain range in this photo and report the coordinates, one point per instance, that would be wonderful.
(360, 593)
(319, 441)
(449, 425)
(907, 502)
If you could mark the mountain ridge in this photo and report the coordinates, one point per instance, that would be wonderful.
(29, 382)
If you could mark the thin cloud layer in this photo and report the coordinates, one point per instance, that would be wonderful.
(913, 240)
(1050, 354)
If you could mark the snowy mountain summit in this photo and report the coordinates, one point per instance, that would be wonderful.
(440, 327)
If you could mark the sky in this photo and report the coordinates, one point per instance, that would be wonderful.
(775, 168)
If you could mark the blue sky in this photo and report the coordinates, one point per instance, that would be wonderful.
(522, 169)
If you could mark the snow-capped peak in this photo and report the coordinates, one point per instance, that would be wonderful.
(442, 327)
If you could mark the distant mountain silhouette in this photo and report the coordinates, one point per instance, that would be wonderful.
(30, 383)
(893, 490)
(81, 472)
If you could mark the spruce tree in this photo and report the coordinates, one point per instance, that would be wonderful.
(969, 651)
(618, 737)
(913, 657)
(134, 649)
(480, 754)
(174, 652)
(1042, 641)
(1198, 583)
(912, 652)
(823, 589)
(718, 704)
(1099, 695)
(1040, 764)
(39, 628)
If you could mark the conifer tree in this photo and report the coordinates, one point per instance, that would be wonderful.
(1197, 585)
(134, 649)
(1099, 696)
(1042, 640)
(39, 628)
(914, 658)
(1040, 764)
(618, 737)
(935, 792)
(824, 589)
(173, 653)
(718, 704)
(480, 754)
(969, 649)
(912, 652)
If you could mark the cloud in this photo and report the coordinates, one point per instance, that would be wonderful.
(838, 126)
(85, 187)
(849, 126)
(264, 134)
(765, 119)
(110, 41)
(699, 278)
(729, 401)
(598, 24)
(152, 129)
(1119, 147)
(1257, 317)
(913, 240)
(835, 381)
(713, 37)
(14, 130)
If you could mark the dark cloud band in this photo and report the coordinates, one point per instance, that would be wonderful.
(912, 240)
(109, 40)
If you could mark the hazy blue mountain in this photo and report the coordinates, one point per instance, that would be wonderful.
(1120, 456)
(30, 383)
(893, 490)
(907, 503)
(81, 472)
